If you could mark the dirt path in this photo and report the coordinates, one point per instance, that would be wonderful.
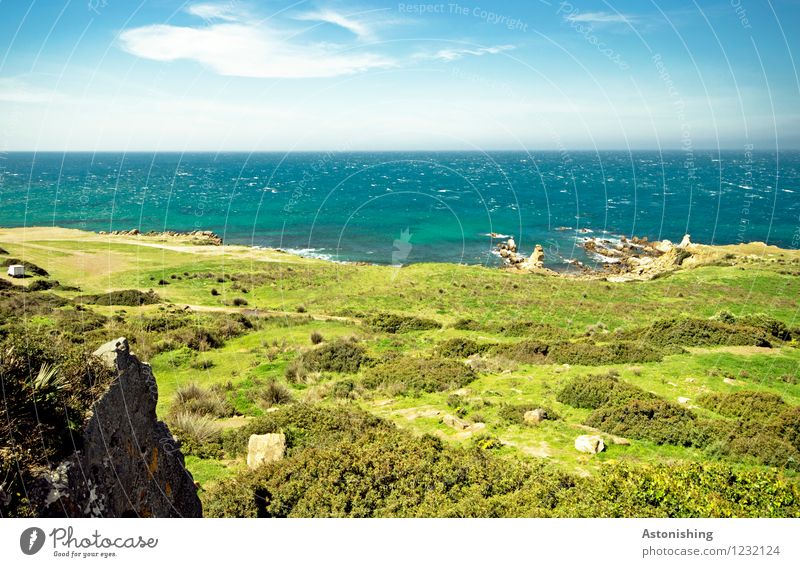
(272, 313)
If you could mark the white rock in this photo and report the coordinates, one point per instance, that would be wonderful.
(534, 416)
(591, 444)
(683, 400)
(265, 449)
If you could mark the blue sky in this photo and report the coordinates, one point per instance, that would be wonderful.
(369, 75)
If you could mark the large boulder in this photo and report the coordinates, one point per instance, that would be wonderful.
(534, 416)
(591, 444)
(265, 448)
(127, 463)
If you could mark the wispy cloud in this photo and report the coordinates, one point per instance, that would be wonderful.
(16, 90)
(348, 22)
(453, 54)
(244, 47)
(601, 18)
(229, 12)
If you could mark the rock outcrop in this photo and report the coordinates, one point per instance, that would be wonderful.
(126, 463)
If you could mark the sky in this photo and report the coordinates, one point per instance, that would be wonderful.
(236, 75)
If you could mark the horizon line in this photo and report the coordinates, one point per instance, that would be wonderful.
(352, 151)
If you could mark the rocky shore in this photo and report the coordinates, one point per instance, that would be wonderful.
(619, 259)
(202, 237)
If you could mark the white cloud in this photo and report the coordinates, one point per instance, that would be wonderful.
(452, 54)
(246, 50)
(228, 12)
(601, 18)
(357, 27)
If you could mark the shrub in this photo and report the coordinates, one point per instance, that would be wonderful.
(198, 338)
(588, 354)
(467, 325)
(460, 348)
(163, 282)
(526, 352)
(238, 302)
(530, 329)
(346, 463)
(214, 291)
(197, 434)
(273, 394)
(654, 420)
(338, 356)
(194, 399)
(745, 404)
(41, 285)
(766, 449)
(48, 388)
(411, 375)
(595, 391)
(202, 364)
(316, 338)
(787, 426)
(393, 323)
(296, 371)
(343, 389)
(698, 332)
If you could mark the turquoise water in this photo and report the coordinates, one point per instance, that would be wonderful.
(356, 206)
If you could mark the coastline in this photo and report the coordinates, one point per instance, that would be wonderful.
(660, 257)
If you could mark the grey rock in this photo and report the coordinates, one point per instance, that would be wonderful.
(127, 463)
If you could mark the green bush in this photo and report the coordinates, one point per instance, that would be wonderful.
(394, 323)
(542, 331)
(786, 425)
(745, 404)
(458, 347)
(588, 354)
(526, 352)
(342, 355)
(346, 463)
(654, 420)
(595, 391)
(467, 325)
(48, 387)
(128, 297)
(272, 394)
(698, 332)
(411, 375)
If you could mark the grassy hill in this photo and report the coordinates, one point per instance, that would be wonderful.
(688, 378)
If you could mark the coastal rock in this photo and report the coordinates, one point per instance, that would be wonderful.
(128, 463)
(537, 258)
(591, 444)
(685, 242)
(265, 449)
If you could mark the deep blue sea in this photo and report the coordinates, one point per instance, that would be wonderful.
(405, 207)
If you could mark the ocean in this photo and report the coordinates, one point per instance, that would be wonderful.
(408, 207)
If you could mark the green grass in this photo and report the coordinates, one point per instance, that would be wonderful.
(280, 283)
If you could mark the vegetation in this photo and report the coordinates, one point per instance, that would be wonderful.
(404, 393)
